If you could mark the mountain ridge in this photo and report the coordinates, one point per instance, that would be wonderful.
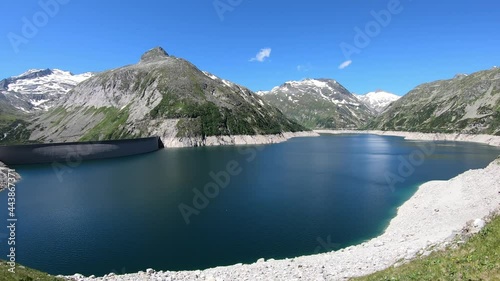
(160, 95)
(175, 98)
(319, 104)
(464, 104)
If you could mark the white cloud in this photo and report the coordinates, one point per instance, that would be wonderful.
(345, 64)
(262, 55)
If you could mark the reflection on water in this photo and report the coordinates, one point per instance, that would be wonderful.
(124, 213)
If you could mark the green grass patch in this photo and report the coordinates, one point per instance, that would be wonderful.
(15, 132)
(61, 114)
(494, 127)
(6, 119)
(23, 274)
(478, 259)
(111, 127)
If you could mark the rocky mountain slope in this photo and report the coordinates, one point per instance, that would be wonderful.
(378, 100)
(12, 122)
(319, 103)
(161, 95)
(39, 89)
(465, 104)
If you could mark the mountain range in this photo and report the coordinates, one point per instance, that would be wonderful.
(161, 95)
(169, 97)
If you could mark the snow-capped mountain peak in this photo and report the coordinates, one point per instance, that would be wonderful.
(304, 85)
(30, 72)
(39, 89)
(318, 103)
(44, 81)
(318, 83)
(378, 100)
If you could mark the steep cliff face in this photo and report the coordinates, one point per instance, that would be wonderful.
(319, 103)
(161, 95)
(465, 104)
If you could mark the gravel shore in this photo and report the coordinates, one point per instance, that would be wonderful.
(486, 139)
(174, 142)
(431, 219)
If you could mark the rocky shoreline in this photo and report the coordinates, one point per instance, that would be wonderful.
(431, 219)
(4, 176)
(175, 142)
(485, 139)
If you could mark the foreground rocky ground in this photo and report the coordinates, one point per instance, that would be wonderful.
(4, 176)
(431, 219)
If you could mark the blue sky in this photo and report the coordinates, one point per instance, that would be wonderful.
(422, 41)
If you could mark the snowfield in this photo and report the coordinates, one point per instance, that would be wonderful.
(378, 100)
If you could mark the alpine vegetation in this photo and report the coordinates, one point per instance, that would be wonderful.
(161, 95)
(464, 104)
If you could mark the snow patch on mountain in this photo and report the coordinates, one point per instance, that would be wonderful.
(318, 103)
(40, 89)
(314, 87)
(54, 82)
(378, 100)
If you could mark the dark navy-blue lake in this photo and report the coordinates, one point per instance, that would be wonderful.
(303, 196)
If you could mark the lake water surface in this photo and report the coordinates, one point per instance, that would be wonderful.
(303, 196)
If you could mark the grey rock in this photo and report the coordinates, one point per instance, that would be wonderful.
(154, 55)
(479, 223)
(150, 271)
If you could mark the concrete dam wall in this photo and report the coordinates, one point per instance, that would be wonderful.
(76, 151)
